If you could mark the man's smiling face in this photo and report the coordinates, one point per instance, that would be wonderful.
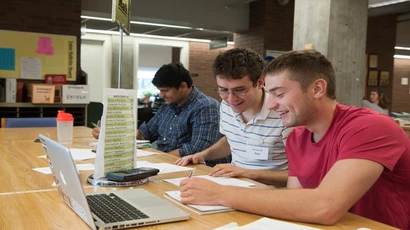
(286, 97)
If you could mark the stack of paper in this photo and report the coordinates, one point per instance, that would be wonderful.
(175, 196)
(205, 209)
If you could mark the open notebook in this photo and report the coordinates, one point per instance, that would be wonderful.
(205, 209)
(175, 196)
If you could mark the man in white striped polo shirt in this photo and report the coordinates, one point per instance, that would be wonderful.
(254, 135)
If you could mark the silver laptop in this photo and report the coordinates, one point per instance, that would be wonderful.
(133, 207)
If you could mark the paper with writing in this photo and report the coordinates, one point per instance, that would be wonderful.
(116, 149)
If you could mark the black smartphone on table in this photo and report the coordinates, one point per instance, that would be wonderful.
(132, 174)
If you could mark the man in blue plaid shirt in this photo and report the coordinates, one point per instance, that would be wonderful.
(188, 122)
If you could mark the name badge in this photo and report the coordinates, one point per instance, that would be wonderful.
(257, 153)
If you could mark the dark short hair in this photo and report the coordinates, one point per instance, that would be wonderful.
(305, 66)
(237, 63)
(172, 75)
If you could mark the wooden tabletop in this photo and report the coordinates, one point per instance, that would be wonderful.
(28, 200)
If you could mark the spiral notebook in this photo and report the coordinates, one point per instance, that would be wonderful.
(175, 196)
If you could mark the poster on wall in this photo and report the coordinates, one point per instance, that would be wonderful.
(372, 61)
(372, 79)
(384, 78)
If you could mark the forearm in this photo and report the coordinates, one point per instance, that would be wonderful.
(305, 205)
(140, 136)
(218, 150)
(269, 177)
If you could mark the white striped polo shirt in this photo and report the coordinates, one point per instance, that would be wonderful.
(264, 131)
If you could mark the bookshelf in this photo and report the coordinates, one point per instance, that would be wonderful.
(25, 109)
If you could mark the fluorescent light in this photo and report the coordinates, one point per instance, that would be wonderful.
(151, 36)
(162, 25)
(96, 18)
(386, 3)
(402, 56)
(401, 48)
(144, 23)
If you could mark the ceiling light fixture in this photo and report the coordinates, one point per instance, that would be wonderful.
(144, 23)
(401, 48)
(386, 3)
(401, 56)
(151, 36)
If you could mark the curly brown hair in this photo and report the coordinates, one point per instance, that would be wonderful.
(237, 63)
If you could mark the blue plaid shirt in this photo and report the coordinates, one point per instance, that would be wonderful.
(190, 127)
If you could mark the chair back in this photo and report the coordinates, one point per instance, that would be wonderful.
(26, 122)
(94, 113)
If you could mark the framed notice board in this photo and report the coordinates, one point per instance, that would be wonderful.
(33, 55)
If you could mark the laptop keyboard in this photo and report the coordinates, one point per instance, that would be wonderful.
(110, 208)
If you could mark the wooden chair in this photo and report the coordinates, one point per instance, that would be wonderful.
(28, 122)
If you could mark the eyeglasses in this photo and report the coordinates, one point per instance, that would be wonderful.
(237, 92)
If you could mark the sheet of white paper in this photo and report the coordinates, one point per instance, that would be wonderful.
(143, 153)
(163, 167)
(219, 180)
(85, 166)
(230, 226)
(265, 224)
(81, 154)
(30, 68)
(78, 154)
(141, 141)
(47, 170)
(268, 224)
(203, 208)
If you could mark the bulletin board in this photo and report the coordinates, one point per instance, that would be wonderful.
(27, 55)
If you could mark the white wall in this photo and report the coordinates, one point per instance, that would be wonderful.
(143, 42)
(96, 62)
(154, 56)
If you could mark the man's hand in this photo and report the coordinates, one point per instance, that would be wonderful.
(200, 191)
(227, 170)
(95, 132)
(194, 159)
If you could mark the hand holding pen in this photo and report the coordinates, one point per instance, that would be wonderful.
(96, 130)
(192, 172)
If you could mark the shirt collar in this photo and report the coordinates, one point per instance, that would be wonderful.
(264, 113)
(188, 101)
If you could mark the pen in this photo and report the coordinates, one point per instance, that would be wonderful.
(192, 173)
(95, 125)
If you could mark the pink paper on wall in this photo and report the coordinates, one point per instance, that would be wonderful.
(44, 46)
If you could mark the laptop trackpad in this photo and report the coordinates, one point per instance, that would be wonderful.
(145, 202)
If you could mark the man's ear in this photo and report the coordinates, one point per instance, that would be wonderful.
(320, 86)
(261, 82)
(183, 86)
